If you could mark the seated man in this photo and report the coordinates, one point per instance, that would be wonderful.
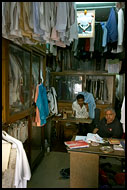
(80, 111)
(78, 107)
(109, 126)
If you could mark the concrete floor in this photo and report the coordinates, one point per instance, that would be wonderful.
(47, 174)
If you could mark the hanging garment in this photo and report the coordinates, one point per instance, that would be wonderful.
(15, 31)
(48, 19)
(52, 101)
(36, 19)
(6, 20)
(34, 22)
(111, 25)
(87, 44)
(21, 21)
(61, 20)
(22, 169)
(120, 32)
(98, 38)
(91, 103)
(74, 28)
(104, 38)
(42, 104)
(92, 40)
(123, 114)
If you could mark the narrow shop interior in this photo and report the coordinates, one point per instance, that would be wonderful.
(53, 53)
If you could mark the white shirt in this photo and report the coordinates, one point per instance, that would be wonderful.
(123, 114)
(80, 112)
(22, 169)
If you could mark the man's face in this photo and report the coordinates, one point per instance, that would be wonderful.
(80, 102)
(110, 116)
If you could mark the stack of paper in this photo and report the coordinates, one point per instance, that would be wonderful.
(94, 138)
(76, 144)
(90, 138)
(118, 147)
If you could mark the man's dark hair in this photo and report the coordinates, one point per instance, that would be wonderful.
(80, 96)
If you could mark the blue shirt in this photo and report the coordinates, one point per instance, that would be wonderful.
(42, 103)
(112, 29)
(104, 39)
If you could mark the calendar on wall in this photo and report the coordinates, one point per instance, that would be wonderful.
(86, 23)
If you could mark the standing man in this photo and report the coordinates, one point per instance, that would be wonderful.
(109, 126)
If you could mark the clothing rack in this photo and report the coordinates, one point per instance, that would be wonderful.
(96, 22)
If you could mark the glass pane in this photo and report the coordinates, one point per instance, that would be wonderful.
(101, 88)
(19, 79)
(26, 83)
(67, 87)
(35, 74)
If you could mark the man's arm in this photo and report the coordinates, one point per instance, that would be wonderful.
(95, 130)
(118, 130)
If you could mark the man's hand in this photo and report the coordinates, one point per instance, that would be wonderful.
(95, 130)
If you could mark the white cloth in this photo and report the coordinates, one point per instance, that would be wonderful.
(123, 114)
(92, 40)
(53, 102)
(80, 112)
(120, 32)
(120, 26)
(22, 169)
(61, 18)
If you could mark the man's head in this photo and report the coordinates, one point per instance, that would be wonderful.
(110, 115)
(80, 99)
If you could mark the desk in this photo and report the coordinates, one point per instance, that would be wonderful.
(59, 128)
(84, 165)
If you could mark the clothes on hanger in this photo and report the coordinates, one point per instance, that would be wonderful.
(111, 26)
(98, 87)
(119, 48)
(42, 109)
(52, 98)
(22, 169)
(39, 22)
